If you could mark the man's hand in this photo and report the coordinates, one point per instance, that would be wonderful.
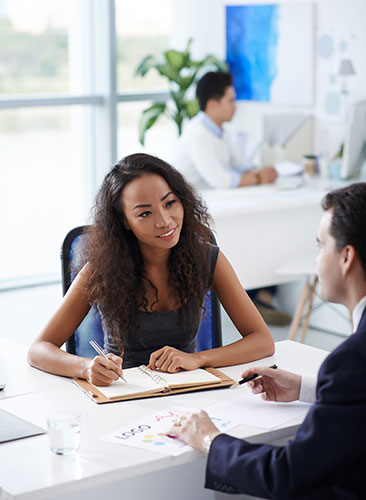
(169, 359)
(102, 371)
(274, 385)
(192, 428)
(267, 175)
(249, 178)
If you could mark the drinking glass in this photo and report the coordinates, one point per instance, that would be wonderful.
(64, 431)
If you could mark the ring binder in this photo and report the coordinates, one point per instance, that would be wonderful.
(158, 379)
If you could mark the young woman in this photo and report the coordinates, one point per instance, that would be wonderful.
(149, 267)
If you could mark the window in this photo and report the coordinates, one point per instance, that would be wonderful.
(46, 133)
(61, 64)
(41, 187)
(34, 46)
(159, 140)
(141, 30)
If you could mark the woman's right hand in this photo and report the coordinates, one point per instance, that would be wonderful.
(274, 384)
(102, 371)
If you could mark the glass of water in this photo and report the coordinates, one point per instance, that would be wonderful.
(64, 431)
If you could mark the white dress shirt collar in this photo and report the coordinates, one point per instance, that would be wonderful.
(210, 124)
(357, 313)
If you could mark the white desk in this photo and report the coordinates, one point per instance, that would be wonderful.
(260, 228)
(30, 471)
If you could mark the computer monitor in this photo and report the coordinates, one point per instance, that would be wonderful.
(354, 151)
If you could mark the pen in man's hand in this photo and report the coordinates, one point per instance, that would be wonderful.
(249, 378)
(100, 351)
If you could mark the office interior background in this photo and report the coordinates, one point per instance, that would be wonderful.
(70, 102)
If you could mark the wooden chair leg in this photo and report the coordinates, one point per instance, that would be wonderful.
(298, 313)
(308, 312)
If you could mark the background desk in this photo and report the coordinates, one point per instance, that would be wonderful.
(30, 471)
(260, 228)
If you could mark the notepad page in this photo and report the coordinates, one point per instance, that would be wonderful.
(137, 383)
(188, 378)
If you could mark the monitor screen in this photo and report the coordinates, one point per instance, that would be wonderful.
(354, 152)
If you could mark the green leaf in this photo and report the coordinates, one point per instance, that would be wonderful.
(175, 59)
(174, 63)
(178, 98)
(187, 53)
(145, 65)
(178, 118)
(186, 81)
(192, 108)
(149, 117)
(195, 64)
(168, 71)
(189, 43)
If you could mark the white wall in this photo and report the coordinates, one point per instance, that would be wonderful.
(341, 23)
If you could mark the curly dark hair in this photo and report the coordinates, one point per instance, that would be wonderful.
(117, 279)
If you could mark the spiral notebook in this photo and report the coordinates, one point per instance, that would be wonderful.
(142, 382)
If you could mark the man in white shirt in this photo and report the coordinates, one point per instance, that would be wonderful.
(209, 155)
(327, 457)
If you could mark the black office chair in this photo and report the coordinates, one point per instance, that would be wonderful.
(209, 334)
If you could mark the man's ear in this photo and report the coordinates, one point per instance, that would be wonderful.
(348, 254)
(211, 104)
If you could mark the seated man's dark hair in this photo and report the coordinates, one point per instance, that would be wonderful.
(212, 86)
(348, 226)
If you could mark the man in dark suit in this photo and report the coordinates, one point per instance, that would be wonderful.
(327, 457)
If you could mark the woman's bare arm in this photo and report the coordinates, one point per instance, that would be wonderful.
(256, 343)
(45, 352)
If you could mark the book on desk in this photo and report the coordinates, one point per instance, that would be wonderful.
(142, 382)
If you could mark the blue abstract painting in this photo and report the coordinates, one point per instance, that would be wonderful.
(269, 50)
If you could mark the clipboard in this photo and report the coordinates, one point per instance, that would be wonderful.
(95, 395)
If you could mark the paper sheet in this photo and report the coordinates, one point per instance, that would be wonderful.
(288, 168)
(187, 378)
(146, 433)
(250, 409)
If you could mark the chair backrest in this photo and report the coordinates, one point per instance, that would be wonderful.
(209, 334)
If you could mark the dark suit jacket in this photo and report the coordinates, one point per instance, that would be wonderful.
(327, 457)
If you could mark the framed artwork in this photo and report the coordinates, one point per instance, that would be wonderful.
(269, 49)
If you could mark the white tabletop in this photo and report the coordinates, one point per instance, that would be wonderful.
(261, 228)
(29, 470)
(267, 197)
(298, 266)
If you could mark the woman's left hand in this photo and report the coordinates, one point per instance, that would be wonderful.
(192, 428)
(169, 359)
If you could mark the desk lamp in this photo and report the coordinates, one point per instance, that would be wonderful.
(345, 69)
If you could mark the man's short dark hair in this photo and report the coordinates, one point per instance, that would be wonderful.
(212, 86)
(348, 225)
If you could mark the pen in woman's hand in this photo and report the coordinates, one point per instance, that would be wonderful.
(100, 351)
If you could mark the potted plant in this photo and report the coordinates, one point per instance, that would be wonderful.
(182, 72)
